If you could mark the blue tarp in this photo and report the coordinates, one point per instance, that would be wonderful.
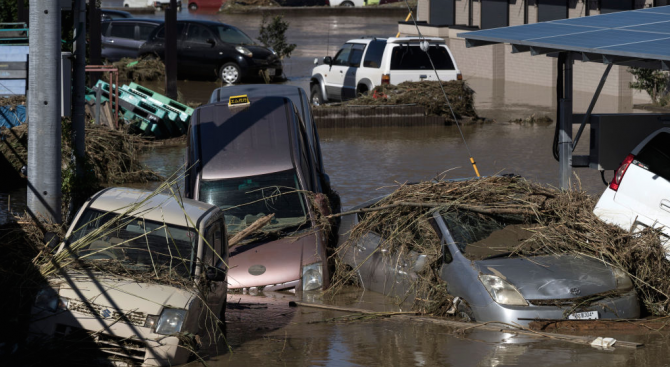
(11, 116)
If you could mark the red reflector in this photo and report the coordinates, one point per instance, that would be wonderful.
(618, 175)
(386, 79)
(459, 76)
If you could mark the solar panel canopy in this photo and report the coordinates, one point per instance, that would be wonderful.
(637, 34)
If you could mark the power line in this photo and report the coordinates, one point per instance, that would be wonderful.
(472, 160)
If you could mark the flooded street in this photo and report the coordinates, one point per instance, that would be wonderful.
(365, 163)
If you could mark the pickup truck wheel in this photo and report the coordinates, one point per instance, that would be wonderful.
(315, 95)
(347, 4)
(230, 73)
(193, 6)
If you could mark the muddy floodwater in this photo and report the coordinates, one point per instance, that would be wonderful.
(364, 163)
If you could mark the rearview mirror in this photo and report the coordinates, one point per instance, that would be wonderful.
(211, 41)
(328, 60)
(215, 274)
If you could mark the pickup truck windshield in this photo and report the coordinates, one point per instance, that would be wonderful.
(233, 35)
(137, 244)
(246, 199)
(406, 57)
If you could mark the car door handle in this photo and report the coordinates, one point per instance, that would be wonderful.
(665, 205)
(340, 71)
(111, 41)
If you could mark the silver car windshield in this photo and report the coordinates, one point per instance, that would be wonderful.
(233, 35)
(247, 199)
(134, 243)
(483, 237)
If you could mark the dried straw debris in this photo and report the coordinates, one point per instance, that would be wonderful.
(427, 94)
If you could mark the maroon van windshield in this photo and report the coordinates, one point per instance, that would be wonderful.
(246, 199)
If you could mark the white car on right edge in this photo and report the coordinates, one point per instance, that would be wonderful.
(639, 194)
(362, 64)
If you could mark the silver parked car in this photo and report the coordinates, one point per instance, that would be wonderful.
(488, 283)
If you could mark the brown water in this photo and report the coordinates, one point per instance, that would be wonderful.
(264, 331)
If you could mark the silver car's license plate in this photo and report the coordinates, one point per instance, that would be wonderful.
(590, 315)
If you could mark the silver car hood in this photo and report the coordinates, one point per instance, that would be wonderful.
(551, 277)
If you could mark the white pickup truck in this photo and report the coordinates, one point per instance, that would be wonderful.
(362, 64)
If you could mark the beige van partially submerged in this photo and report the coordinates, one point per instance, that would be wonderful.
(143, 275)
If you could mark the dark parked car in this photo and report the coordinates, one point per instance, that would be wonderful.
(124, 37)
(207, 48)
(108, 14)
(254, 161)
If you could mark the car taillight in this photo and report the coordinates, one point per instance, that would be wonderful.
(459, 76)
(386, 79)
(618, 175)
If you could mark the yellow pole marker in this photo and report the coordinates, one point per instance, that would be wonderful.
(474, 165)
(406, 19)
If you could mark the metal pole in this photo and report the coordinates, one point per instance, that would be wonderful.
(79, 91)
(171, 50)
(44, 111)
(565, 130)
(95, 42)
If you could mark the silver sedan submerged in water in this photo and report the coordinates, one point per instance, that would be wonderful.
(487, 283)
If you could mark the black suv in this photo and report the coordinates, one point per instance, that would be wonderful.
(212, 48)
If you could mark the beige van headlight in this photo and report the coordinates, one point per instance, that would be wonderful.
(48, 299)
(171, 321)
(623, 281)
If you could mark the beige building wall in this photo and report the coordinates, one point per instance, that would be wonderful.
(516, 12)
(497, 62)
(462, 9)
(422, 10)
(532, 12)
(476, 13)
(576, 9)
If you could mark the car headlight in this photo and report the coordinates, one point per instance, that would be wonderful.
(623, 282)
(312, 277)
(47, 299)
(273, 51)
(171, 321)
(501, 291)
(244, 51)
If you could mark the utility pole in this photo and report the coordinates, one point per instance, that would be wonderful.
(79, 100)
(171, 50)
(95, 42)
(44, 111)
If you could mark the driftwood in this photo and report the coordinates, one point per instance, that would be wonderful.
(472, 208)
(255, 226)
(488, 326)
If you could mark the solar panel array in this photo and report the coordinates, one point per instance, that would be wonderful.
(643, 34)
